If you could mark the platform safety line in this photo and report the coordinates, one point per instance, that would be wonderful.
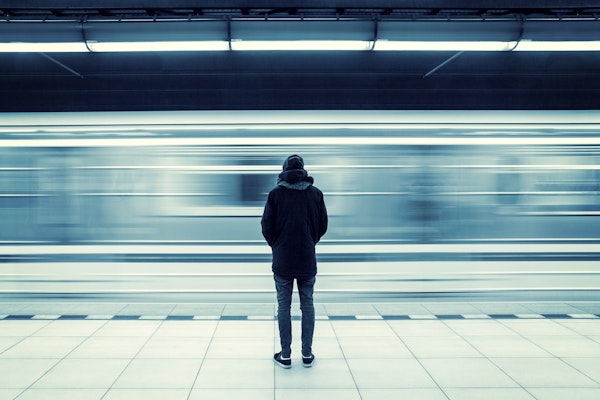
(374, 317)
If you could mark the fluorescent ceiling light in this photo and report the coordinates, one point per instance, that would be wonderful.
(60, 47)
(300, 45)
(158, 46)
(572, 45)
(393, 45)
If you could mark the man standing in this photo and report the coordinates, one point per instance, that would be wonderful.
(293, 222)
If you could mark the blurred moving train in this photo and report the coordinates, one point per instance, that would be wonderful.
(166, 206)
(416, 177)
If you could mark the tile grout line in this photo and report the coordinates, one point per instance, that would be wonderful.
(132, 358)
(418, 360)
(488, 358)
(346, 361)
(60, 359)
(535, 344)
(567, 363)
(204, 358)
(22, 340)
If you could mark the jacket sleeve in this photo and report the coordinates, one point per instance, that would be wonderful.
(323, 219)
(268, 222)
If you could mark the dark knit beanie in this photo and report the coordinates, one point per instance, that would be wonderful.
(293, 162)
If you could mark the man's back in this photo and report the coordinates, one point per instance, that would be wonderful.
(293, 222)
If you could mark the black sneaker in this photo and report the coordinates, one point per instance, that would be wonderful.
(308, 362)
(282, 362)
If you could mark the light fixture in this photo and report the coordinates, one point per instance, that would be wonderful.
(205, 35)
(215, 45)
(43, 47)
(573, 45)
(300, 35)
(300, 45)
(560, 36)
(386, 45)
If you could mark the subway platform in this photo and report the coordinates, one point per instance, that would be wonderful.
(416, 351)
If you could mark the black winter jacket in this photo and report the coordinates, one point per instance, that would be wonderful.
(293, 222)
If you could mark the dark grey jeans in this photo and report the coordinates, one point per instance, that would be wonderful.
(285, 288)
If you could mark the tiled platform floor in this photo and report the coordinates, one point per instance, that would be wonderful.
(527, 357)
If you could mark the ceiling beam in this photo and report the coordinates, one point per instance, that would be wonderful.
(299, 4)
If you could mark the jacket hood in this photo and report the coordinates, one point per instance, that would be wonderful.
(296, 179)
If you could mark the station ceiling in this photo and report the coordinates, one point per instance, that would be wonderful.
(340, 80)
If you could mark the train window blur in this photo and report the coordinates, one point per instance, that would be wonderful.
(398, 192)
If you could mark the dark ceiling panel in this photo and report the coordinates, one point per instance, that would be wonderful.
(294, 80)
(168, 81)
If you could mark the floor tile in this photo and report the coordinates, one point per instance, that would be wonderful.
(317, 394)
(568, 346)
(440, 347)
(159, 374)
(542, 327)
(235, 348)
(451, 308)
(147, 394)
(506, 346)
(543, 372)
(588, 366)
(565, 393)
(7, 342)
(21, 373)
(198, 309)
(591, 307)
(12, 308)
(395, 394)
(260, 329)
(502, 308)
(48, 308)
(146, 309)
(237, 394)
(488, 394)
(363, 329)
(400, 309)
(350, 309)
(247, 374)
(128, 328)
(421, 328)
(479, 328)
(109, 347)
(551, 308)
(325, 374)
(583, 327)
(98, 308)
(323, 347)
(84, 374)
(249, 309)
(375, 347)
(70, 328)
(187, 329)
(21, 328)
(389, 373)
(9, 394)
(175, 347)
(63, 394)
(43, 347)
(466, 373)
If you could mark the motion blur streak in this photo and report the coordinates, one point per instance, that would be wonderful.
(421, 204)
